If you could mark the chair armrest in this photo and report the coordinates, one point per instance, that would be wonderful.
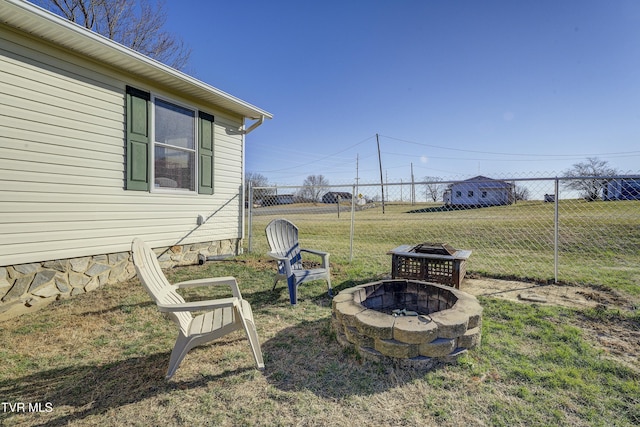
(277, 256)
(209, 281)
(284, 263)
(314, 252)
(324, 255)
(198, 305)
(212, 281)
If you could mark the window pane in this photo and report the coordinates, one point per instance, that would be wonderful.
(174, 168)
(174, 125)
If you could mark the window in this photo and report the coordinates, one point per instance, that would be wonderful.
(458, 193)
(470, 193)
(174, 146)
(484, 195)
(174, 152)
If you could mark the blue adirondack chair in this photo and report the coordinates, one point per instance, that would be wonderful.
(282, 236)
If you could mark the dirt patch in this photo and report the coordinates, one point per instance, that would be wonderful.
(616, 334)
(619, 338)
(564, 295)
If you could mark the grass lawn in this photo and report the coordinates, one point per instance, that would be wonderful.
(100, 359)
(599, 242)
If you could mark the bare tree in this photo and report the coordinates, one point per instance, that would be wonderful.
(133, 23)
(586, 177)
(433, 187)
(313, 187)
(254, 179)
(521, 193)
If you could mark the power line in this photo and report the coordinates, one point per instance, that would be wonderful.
(546, 159)
(320, 159)
(510, 154)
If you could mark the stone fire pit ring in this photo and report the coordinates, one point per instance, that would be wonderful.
(443, 323)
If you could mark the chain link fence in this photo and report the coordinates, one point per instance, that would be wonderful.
(572, 230)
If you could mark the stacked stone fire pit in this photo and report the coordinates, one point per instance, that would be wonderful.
(409, 323)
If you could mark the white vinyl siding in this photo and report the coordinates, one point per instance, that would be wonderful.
(477, 193)
(62, 164)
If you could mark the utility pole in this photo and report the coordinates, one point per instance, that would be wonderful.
(413, 187)
(380, 163)
(356, 192)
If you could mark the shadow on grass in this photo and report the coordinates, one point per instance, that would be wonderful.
(315, 291)
(449, 208)
(79, 392)
(120, 308)
(324, 300)
(307, 356)
(267, 297)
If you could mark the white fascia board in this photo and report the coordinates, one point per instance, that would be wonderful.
(30, 19)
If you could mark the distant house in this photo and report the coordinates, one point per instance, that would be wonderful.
(479, 191)
(278, 199)
(100, 144)
(335, 196)
(622, 189)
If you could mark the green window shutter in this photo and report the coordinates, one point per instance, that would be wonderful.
(205, 153)
(138, 140)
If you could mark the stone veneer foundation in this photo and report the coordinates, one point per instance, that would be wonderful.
(447, 325)
(27, 287)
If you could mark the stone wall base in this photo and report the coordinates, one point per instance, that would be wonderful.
(25, 288)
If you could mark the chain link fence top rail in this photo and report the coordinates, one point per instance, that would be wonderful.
(570, 230)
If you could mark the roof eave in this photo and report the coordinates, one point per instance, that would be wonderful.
(33, 20)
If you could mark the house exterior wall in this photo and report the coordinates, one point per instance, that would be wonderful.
(622, 189)
(476, 193)
(62, 166)
(495, 196)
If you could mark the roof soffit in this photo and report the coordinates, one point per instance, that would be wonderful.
(39, 23)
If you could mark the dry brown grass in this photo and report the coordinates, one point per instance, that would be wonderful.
(100, 359)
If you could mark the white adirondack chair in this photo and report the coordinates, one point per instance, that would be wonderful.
(226, 315)
(282, 236)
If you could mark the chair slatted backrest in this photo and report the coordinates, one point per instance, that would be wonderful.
(282, 236)
(156, 284)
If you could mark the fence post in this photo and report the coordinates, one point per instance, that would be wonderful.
(250, 216)
(353, 210)
(556, 229)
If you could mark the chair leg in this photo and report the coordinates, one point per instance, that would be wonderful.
(325, 264)
(246, 317)
(275, 282)
(293, 290)
(254, 342)
(180, 350)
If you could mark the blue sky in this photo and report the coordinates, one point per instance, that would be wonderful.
(456, 88)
